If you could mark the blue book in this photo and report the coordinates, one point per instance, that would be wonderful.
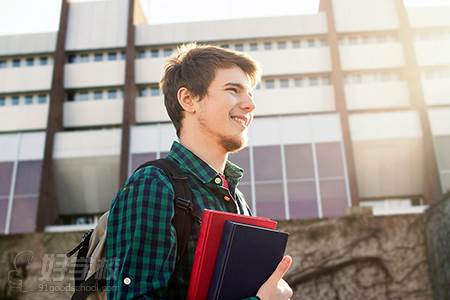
(247, 257)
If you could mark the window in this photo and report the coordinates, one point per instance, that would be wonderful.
(83, 96)
(323, 43)
(42, 98)
(267, 45)
(15, 100)
(98, 95)
(154, 53)
(270, 84)
(142, 54)
(43, 61)
(281, 45)
(298, 82)
(253, 46)
(154, 91)
(123, 55)
(112, 94)
(2, 101)
(239, 47)
(70, 96)
(16, 63)
(226, 46)
(98, 57)
(296, 44)
(326, 80)
(313, 81)
(84, 58)
(72, 58)
(143, 92)
(167, 52)
(30, 61)
(112, 56)
(29, 99)
(311, 43)
(284, 83)
(2, 63)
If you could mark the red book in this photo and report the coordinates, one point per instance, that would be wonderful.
(208, 245)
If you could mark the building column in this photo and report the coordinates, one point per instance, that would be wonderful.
(128, 118)
(337, 78)
(432, 189)
(47, 211)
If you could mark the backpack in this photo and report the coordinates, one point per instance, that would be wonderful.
(90, 268)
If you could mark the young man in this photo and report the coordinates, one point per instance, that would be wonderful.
(208, 96)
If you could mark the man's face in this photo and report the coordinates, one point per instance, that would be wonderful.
(226, 112)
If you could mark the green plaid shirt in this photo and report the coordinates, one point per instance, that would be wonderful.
(141, 241)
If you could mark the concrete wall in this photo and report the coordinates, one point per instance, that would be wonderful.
(356, 257)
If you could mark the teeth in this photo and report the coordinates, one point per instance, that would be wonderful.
(240, 120)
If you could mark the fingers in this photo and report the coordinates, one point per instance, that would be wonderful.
(281, 269)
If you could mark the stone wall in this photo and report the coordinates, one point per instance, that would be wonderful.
(355, 257)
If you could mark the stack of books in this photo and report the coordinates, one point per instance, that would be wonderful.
(235, 255)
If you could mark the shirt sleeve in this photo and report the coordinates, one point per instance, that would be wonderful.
(141, 241)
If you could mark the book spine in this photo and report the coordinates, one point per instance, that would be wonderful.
(221, 261)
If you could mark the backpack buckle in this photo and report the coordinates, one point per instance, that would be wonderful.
(184, 204)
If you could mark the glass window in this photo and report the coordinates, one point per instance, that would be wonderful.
(5, 177)
(43, 61)
(298, 82)
(226, 46)
(30, 61)
(28, 178)
(15, 100)
(98, 56)
(267, 45)
(83, 96)
(2, 63)
(84, 58)
(323, 43)
(143, 92)
(139, 159)
(98, 95)
(29, 99)
(112, 56)
(253, 46)
(299, 161)
(281, 45)
(3, 209)
(16, 62)
(154, 91)
(154, 53)
(284, 83)
(70, 96)
(267, 163)
(329, 159)
(167, 52)
(296, 44)
(334, 197)
(120, 93)
(311, 43)
(326, 80)
(313, 81)
(23, 217)
(142, 54)
(270, 200)
(42, 99)
(242, 159)
(72, 58)
(303, 200)
(270, 84)
(123, 55)
(2, 101)
(112, 94)
(246, 190)
(239, 47)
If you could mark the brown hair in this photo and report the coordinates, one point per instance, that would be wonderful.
(194, 67)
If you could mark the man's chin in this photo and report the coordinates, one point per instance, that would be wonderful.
(234, 144)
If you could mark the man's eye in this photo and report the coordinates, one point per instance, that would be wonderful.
(233, 90)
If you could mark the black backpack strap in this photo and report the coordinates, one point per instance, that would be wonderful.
(184, 209)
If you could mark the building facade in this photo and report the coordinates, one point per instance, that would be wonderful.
(353, 110)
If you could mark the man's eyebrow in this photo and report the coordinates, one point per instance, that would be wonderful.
(236, 84)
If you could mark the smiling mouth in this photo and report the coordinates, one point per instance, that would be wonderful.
(243, 121)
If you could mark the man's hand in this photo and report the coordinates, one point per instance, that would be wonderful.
(275, 288)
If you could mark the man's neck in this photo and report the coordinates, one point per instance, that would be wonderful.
(210, 152)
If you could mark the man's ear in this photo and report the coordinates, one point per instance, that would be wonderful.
(186, 100)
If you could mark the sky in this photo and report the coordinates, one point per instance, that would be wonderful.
(27, 16)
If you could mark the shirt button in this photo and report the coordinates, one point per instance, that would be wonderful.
(127, 281)
(218, 180)
(226, 198)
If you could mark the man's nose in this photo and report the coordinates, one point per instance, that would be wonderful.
(248, 104)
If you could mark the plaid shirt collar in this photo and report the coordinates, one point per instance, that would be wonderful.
(200, 169)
